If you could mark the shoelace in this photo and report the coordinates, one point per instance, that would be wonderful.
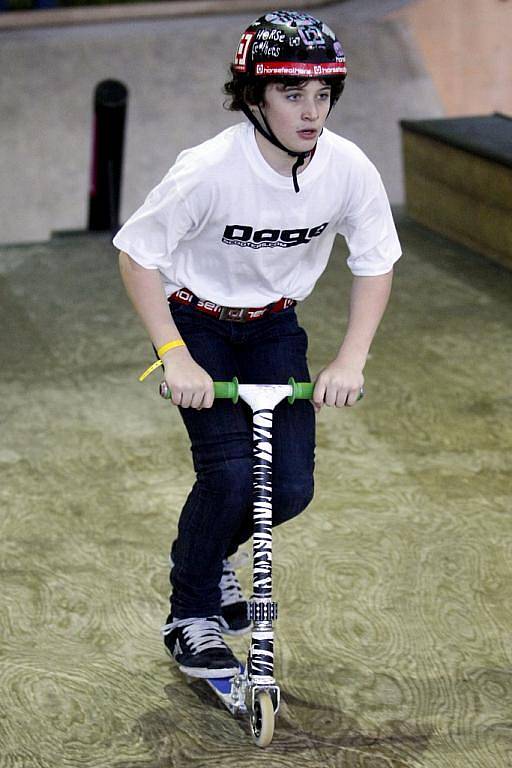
(201, 634)
(230, 589)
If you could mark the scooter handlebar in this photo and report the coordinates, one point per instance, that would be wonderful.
(228, 390)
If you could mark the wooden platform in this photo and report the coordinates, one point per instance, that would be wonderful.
(458, 179)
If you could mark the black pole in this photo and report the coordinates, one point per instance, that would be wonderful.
(110, 100)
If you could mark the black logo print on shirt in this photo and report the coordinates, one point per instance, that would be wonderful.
(244, 236)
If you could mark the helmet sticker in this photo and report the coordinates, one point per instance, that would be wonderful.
(241, 52)
(271, 34)
(311, 36)
(338, 50)
(266, 48)
(300, 69)
(290, 18)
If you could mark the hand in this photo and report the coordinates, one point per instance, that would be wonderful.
(338, 384)
(190, 385)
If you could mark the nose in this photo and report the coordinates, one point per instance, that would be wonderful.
(310, 111)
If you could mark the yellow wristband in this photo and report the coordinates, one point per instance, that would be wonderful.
(170, 345)
(160, 352)
(149, 370)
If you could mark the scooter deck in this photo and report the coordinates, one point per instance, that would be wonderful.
(222, 687)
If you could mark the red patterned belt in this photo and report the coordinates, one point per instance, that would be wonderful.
(234, 314)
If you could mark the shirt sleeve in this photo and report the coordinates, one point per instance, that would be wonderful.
(367, 225)
(152, 233)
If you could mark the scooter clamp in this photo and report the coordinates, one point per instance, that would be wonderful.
(261, 611)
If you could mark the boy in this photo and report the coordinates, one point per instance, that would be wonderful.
(214, 261)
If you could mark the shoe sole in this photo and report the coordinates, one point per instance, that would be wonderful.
(202, 672)
(209, 674)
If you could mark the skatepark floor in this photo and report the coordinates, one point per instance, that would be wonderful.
(393, 641)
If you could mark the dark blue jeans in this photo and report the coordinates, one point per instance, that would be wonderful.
(217, 516)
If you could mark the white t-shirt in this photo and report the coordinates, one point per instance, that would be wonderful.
(232, 230)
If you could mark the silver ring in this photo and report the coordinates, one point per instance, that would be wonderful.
(361, 394)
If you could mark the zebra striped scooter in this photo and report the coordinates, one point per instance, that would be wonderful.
(254, 690)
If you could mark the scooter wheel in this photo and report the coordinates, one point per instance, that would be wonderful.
(262, 719)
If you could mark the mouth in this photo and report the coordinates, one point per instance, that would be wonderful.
(307, 134)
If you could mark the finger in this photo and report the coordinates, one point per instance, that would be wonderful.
(358, 395)
(353, 397)
(318, 395)
(205, 397)
(208, 401)
(331, 396)
(186, 399)
(176, 396)
(209, 397)
(197, 400)
(341, 397)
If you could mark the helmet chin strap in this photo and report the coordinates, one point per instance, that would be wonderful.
(268, 133)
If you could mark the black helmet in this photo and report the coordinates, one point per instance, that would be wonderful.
(284, 44)
(289, 44)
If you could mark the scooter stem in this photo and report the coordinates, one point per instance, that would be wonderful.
(262, 400)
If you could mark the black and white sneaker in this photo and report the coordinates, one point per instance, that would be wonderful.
(233, 605)
(197, 646)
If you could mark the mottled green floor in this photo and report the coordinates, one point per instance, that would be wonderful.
(394, 637)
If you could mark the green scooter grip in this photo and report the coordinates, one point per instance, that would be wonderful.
(301, 390)
(224, 390)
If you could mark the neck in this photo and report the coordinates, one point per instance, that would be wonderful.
(278, 160)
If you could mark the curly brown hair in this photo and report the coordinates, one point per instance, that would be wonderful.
(243, 89)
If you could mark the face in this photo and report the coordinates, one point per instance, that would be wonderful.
(297, 113)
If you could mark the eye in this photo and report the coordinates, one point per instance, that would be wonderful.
(294, 96)
(324, 96)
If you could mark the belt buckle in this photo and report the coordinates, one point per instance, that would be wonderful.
(234, 314)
